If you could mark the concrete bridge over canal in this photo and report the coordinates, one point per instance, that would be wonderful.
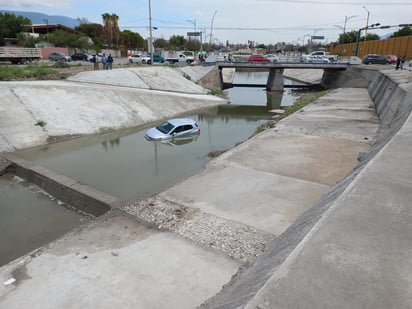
(275, 79)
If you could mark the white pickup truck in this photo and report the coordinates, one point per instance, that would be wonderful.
(184, 56)
(321, 53)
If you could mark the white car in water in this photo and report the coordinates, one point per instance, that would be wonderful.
(178, 128)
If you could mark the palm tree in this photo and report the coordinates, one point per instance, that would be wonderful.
(107, 29)
(115, 28)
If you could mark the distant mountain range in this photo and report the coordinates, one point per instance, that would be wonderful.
(39, 18)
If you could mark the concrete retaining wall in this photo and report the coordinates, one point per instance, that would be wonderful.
(65, 189)
(393, 100)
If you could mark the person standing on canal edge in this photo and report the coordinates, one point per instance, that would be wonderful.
(104, 62)
(402, 62)
(109, 62)
(398, 62)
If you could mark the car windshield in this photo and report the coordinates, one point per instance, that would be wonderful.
(165, 127)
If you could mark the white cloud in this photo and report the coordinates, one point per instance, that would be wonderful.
(30, 4)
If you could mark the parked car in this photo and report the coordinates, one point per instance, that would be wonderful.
(375, 59)
(391, 58)
(135, 58)
(272, 57)
(145, 59)
(178, 128)
(257, 58)
(314, 59)
(80, 56)
(158, 58)
(55, 56)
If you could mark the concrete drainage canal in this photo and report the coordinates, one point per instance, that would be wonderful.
(118, 166)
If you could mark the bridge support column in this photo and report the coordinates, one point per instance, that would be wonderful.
(275, 80)
(221, 82)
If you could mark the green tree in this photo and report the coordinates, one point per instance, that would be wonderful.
(11, 25)
(348, 37)
(161, 43)
(370, 37)
(107, 29)
(93, 31)
(111, 29)
(61, 38)
(26, 40)
(131, 40)
(177, 42)
(405, 31)
(114, 20)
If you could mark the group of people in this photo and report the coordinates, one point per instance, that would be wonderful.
(400, 63)
(107, 62)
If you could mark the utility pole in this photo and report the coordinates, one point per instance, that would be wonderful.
(150, 45)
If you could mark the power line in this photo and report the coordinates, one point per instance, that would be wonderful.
(338, 2)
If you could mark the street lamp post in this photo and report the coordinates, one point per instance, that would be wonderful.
(346, 19)
(367, 22)
(194, 24)
(211, 31)
(47, 30)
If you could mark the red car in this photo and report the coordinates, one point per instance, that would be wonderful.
(391, 58)
(257, 58)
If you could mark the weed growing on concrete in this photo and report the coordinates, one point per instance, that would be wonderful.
(303, 101)
(299, 103)
(217, 92)
(40, 123)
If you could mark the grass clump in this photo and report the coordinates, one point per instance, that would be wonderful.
(299, 103)
(60, 65)
(40, 123)
(218, 92)
(303, 101)
(8, 73)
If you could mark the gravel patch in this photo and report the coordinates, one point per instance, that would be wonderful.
(241, 242)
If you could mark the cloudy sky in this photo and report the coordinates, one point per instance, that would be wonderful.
(261, 21)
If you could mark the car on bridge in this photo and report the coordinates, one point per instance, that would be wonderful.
(272, 57)
(314, 59)
(391, 58)
(258, 58)
(375, 59)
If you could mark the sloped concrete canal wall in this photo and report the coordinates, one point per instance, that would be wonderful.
(351, 249)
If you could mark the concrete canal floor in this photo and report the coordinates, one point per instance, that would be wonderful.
(179, 248)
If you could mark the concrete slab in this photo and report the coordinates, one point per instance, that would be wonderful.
(119, 77)
(336, 115)
(359, 254)
(116, 262)
(256, 198)
(309, 158)
(167, 79)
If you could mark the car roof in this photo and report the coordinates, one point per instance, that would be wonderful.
(180, 121)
